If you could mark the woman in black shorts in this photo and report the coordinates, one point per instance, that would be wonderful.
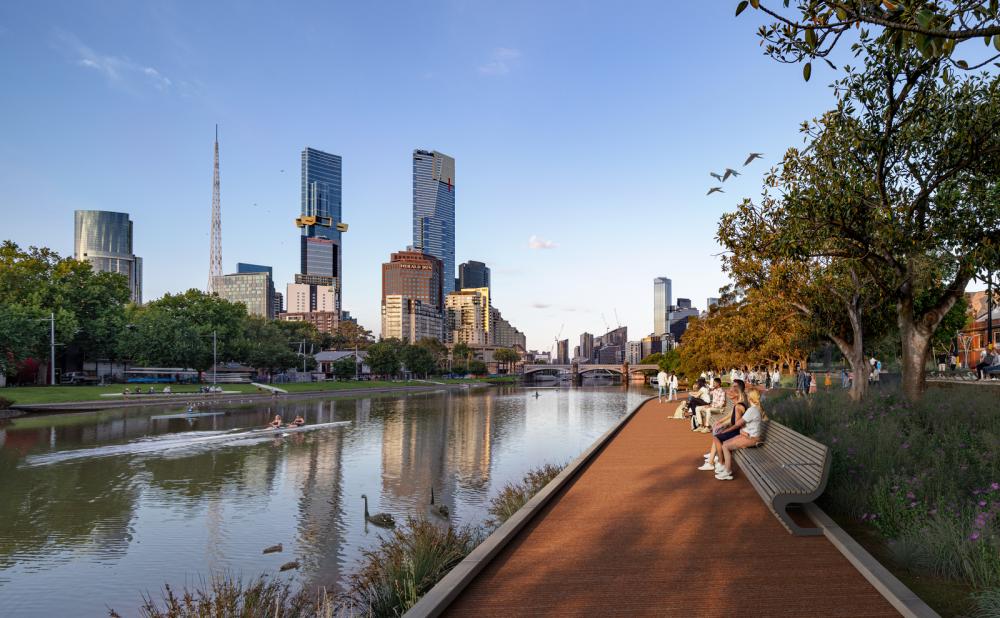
(737, 394)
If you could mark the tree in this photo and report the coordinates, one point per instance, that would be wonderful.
(350, 335)
(418, 359)
(461, 351)
(901, 178)
(345, 368)
(267, 345)
(437, 350)
(507, 357)
(477, 367)
(384, 358)
(652, 359)
(670, 361)
(810, 29)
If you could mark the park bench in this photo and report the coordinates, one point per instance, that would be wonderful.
(787, 468)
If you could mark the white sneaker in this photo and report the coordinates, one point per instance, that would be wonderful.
(723, 476)
(706, 466)
(719, 468)
(707, 455)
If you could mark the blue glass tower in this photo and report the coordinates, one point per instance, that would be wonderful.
(320, 221)
(434, 209)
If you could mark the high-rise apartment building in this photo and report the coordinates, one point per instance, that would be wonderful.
(504, 334)
(661, 305)
(633, 352)
(467, 317)
(434, 209)
(104, 239)
(587, 346)
(473, 274)
(415, 275)
(562, 352)
(321, 225)
(253, 289)
(410, 320)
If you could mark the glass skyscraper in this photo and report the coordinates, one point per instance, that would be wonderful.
(473, 274)
(104, 239)
(320, 220)
(434, 209)
(662, 299)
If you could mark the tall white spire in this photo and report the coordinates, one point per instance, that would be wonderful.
(215, 256)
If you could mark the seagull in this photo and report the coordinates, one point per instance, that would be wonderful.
(753, 155)
(282, 171)
(715, 189)
(716, 176)
(730, 172)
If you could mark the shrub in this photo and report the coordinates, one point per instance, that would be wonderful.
(515, 495)
(5, 403)
(925, 476)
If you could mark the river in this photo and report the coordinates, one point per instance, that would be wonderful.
(98, 508)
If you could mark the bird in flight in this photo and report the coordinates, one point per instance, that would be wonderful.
(716, 176)
(753, 155)
(714, 190)
(729, 172)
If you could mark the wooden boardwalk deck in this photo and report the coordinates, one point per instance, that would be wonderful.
(641, 532)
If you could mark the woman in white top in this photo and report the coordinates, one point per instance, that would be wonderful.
(750, 426)
(673, 386)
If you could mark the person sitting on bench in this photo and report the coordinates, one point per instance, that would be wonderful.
(737, 395)
(700, 397)
(702, 419)
(748, 433)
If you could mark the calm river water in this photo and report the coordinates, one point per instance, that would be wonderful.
(96, 509)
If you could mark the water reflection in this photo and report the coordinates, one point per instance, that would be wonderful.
(83, 534)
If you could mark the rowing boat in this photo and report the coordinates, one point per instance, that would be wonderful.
(163, 417)
(279, 432)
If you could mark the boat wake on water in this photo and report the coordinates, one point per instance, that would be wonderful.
(174, 442)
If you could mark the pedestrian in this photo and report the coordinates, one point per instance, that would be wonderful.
(673, 385)
(843, 377)
(662, 382)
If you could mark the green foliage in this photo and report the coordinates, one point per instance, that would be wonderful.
(350, 335)
(507, 357)
(345, 368)
(513, 496)
(924, 476)
(670, 361)
(384, 357)
(418, 359)
(268, 345)
(438, 351)
(5, 403)
(476, 367)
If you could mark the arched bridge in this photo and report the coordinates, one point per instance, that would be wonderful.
(576, 369)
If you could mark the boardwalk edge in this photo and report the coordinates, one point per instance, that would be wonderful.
(895, 592)
(451, 585)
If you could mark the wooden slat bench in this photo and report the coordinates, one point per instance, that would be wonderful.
(787, 468)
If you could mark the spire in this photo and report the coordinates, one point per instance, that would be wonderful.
(215, 255)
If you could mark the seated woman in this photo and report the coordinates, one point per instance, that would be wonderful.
(737, 395)
(700, 397)
(749, 432)
(276, 423)
(702, 419)
(298, 422)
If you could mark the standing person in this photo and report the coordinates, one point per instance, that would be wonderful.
(662, 382)
(844, 382)
(767, 379)
(878, 371)
(827, 381)
(673, 386)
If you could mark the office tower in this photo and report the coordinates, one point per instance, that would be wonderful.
(651, 344)
(415, 275)
(661, 305)
(254, 289)
(434, 209)
(682, 310)
(587, 346)
(562, 352)
(242, 267)
(633, 352)
(104, 239)
(410, 320)
(321, 225)
(576, 352)
(473, 274)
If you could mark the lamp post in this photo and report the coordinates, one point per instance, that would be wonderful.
(215, 356)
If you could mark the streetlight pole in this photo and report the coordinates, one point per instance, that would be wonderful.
(989, 307)
(215, 356)
(52, 348)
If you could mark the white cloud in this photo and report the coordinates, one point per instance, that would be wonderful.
(116, 69)
(540, 305)
(502, 60)
(540, 243)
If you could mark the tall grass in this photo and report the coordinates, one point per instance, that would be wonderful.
(925, 477)
(515, 495)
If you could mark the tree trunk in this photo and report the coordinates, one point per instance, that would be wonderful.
(916, 348)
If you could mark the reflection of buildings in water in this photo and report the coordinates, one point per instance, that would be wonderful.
(215, 552)
(413, 439)
(470, 425)
(362, 410)
(318, 472)
(565, 397)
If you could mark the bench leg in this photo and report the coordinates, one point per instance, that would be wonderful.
(780, 505)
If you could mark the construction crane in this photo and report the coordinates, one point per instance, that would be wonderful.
(607, 327)
(555, 345)
(617, 321)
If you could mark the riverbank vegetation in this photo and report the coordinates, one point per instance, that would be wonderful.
(922, 480)
(390, 579)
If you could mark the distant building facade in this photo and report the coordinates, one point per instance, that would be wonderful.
(434, 209)
(562, 352)
(587, 346)
(415, 275)
(104, 240)
(662, 299)
(633, 352)
(468, 317)
(320, 224)
(410, 320)
(473, 274)
(324, 321)
(255, 290)
(712, 301)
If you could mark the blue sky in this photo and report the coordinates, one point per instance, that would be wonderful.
(589, 126)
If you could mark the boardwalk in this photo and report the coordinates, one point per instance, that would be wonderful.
(642, 532)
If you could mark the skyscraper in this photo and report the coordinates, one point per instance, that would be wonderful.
(434, 209)
(320, 222)
(473, 274)
(104, 239)
(587, 346)
(661, 305)
(416, 276)
(252, 288)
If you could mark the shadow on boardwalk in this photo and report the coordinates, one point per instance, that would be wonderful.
(640, 531)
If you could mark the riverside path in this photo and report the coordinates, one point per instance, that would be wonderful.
(640, 531)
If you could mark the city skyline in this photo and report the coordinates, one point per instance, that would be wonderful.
(562, 124)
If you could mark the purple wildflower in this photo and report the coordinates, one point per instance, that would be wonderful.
(994, 486)
(974, 536)
(905, 445)
(982, 503)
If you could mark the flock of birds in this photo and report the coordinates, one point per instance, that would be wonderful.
(382, 520)
(723, 177)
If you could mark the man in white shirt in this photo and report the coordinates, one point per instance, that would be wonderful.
(662, 381)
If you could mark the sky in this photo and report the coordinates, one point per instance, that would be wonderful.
(583, 133)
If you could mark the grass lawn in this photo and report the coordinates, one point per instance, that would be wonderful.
(67, 394)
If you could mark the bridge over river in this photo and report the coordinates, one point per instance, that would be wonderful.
(578, 370)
